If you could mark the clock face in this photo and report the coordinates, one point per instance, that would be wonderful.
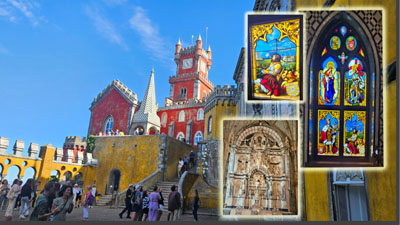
(202, 66)
(187, 63)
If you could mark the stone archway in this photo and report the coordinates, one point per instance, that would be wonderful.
(113, 181)
(258, 174)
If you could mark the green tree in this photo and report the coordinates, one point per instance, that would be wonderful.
(90, 143)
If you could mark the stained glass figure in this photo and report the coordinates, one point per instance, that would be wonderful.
(275, 59)
(329, 81)
(355, 84)
(354, 133)
(343, 30)
(328, 132)
(335, 43)
(351, 43)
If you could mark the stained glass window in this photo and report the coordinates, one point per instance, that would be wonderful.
(340, 111)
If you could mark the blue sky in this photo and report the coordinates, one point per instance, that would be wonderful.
(272, 42)
(56, 56)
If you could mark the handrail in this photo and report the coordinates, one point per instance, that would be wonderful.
(147, 182)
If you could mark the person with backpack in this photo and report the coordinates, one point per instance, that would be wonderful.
(87, 201)
(41, 211)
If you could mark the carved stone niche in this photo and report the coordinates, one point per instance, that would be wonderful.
(241, 164)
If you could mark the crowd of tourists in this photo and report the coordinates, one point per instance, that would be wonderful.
(148, 205)
(53, 203)
(112, 133)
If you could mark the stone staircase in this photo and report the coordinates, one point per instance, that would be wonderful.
(104, 200)
(166, 189)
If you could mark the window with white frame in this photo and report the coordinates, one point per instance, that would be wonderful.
(198, 137)
(200, 114)
(181, 116)
(108, 125)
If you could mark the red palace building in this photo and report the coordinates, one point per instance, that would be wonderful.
(182, 117)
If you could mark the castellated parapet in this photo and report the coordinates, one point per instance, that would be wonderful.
(33, 150)
(190, 103)
(225, 94)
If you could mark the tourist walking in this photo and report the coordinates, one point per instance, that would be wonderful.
(145, 205)
(160, 204)
(137, 202)
(87, 201)
(128, 203)
(180, 164)
(26, 198)
(12, 198)
(75, 193)
(63, 204)
(154, 204)
(191, 156)
(4, 189)
(174, 204)
(196, 204)
(41, 211)
(94, 193)
(79, 197)
(18, 201)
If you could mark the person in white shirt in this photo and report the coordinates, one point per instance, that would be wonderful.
(180, 164)
(94, 193)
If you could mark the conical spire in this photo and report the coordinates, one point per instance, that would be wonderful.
(179, 41)
(209, 48)
(148, 108)
(199, 38)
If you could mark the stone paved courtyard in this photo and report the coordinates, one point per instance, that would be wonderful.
(111, 214)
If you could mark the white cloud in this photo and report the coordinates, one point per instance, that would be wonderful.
(150, 35)
(104, 26)
(25, 7)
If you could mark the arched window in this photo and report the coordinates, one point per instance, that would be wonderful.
(182, 93)
(204, 94)
(181, 116)
(164, 119)
(341, 96)
(198, 137)
(200, 114)
(209, 128)
(180, 136)
(108, 125)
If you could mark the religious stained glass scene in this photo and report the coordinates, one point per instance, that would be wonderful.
(343, 91)
(275, 44)
(260, 161)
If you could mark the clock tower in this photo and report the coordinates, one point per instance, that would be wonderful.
(191, 79)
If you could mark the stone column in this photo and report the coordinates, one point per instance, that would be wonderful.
(80, 157)
(4, 142)
(33, 150)
(70, 155)
(18, 147)
(59, 154)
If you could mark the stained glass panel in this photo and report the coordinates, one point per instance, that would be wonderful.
(351, 43)
(328, 132)
(335, 42)
(355, 84)
(275, 59)
(354, 133)
(329, 83)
